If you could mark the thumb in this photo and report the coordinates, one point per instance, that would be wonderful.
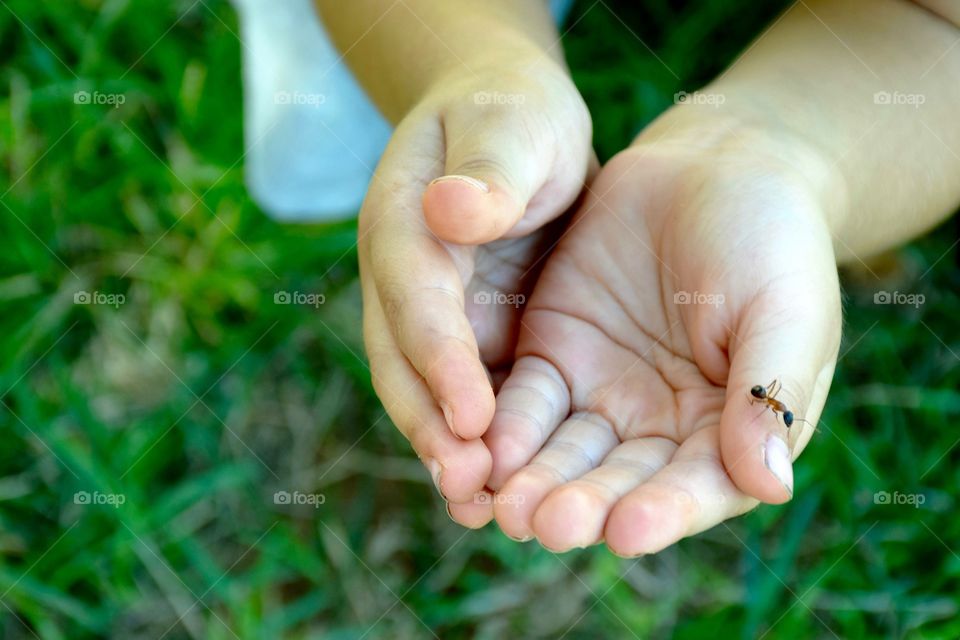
(498, 168)
(793, 340)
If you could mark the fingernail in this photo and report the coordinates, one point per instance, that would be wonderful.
(516, 539)
(448, 416)
(776, 457)
(473, 182)
(435, 470)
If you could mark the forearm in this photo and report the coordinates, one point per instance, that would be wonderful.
(398, 50)
(842, 81)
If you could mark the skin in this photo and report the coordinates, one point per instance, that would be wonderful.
(426, 248)
(625, 416)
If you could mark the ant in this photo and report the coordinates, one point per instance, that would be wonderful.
(768, 395)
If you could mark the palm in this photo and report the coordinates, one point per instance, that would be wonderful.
(507, 268)
(618, 392)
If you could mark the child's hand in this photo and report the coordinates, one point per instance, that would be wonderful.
(700, 266)
(518, 136)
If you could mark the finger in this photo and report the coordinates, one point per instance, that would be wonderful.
(502, 162)
(689, 495)
(578, 446)
(459, 468)
(419, 285)
(474, 514)
(574, 515)
(532, 403)
(795, 340)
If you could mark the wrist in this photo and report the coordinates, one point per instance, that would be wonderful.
(402, 55)
(744, 140)
(509, 65)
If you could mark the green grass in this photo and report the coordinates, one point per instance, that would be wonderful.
(199, 398)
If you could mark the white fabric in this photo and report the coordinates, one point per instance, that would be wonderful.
(312, 137)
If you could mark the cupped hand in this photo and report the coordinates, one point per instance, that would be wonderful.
(699, 266)
(453, 222)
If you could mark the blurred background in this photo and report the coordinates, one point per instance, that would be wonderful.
(155, 398)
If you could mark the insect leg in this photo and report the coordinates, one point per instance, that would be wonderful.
(772, 393)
